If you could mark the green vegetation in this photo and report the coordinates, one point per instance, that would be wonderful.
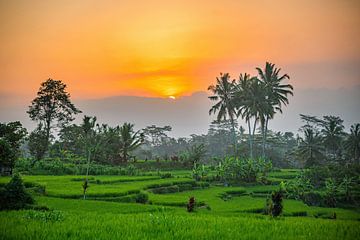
(105, 215)
(96, 181)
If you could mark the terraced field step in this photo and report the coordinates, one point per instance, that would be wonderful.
(130, 179)
(174, 187)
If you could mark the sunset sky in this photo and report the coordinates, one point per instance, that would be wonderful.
(173, 48)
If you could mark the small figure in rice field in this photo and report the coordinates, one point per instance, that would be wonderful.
(191, 204)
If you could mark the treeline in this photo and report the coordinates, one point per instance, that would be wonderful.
(325, 141)
(255, 99)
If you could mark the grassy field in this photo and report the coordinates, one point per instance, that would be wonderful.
(224, 212)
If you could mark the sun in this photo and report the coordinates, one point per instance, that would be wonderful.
(172, 97)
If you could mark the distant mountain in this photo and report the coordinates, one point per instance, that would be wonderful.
(186, 115)
(189, 114)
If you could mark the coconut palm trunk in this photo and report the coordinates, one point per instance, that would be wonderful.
(264, 130)
(87, 170)
(263, 139)
(250, 139)
(233, 134)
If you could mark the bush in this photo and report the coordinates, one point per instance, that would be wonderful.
(166, 175)
(200, 172)
(14, 195)
(317, 176)
(169, 189)
(300, 186)
(35, 188)
(45, 216)
(243, 170)
(313, 198)
(191, 205)
(275, 205)
(330, 193)
(141, 197)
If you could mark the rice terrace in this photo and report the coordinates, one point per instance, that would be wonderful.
(179, 120)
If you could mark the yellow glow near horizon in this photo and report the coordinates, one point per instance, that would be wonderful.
(168, 48)
(172, 97)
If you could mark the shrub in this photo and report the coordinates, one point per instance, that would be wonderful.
(300, 186)
(313, 198)
(14, 195)
(317, 176)
(200, 172)
(169, 189)
(35, 188)
(191, 205)
(243, 170)
(275, 205)
(141, 197)
(45, 216)
(166, 175)
(85, 186)
(330, 193)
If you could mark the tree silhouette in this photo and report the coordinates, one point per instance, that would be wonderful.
(352, 143)
(130, 140)
(11, 136)
(223, 93)
(276, 94)
(52, 104)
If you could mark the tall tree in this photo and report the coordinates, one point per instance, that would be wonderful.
(52, 104)
(276, 94)
(155, 134)
(90, 139)
(223, 92)
(38, 143)
(250, 103)
(332, 133)
(310, 148)
(130, 140)
(7, 157)
(352, 143)
(11, 136)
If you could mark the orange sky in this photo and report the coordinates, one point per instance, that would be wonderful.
(163, 48)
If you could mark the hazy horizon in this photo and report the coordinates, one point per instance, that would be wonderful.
(189, 114)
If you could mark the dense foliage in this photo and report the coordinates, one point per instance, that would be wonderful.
(275, 203)
(11, 137)
(236, 170)
(51, 104)
(329, 186)
(14, 195)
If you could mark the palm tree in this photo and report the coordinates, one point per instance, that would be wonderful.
(223, 93)
(90, 138)
(352, 142)
(332, 132)
(250, 103)
(276, 95)
(130, 140)
(310, 147)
